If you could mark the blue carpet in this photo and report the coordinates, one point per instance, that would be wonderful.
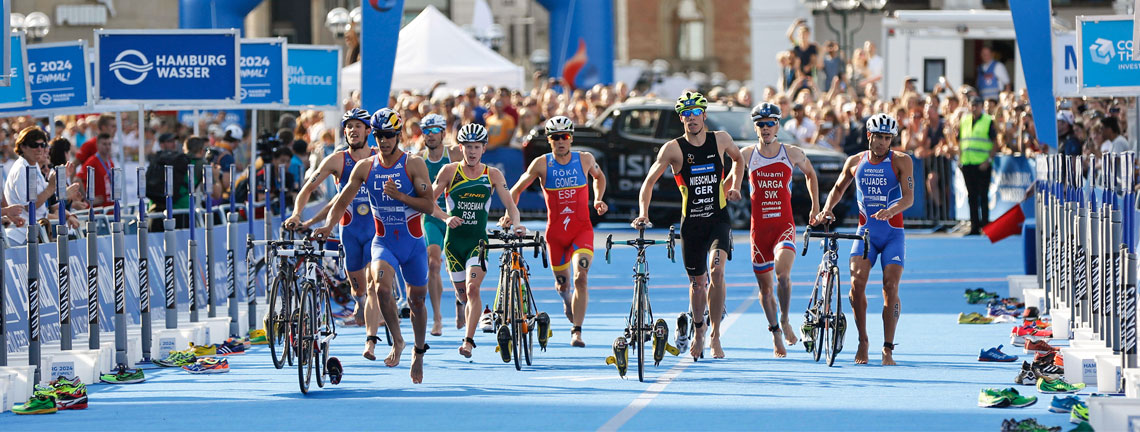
(934, 388)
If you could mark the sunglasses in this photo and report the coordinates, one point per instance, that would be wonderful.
(560, 136)
(433, 130)
(692, 112)
(386, 134)
(767, 123)
(36, 145)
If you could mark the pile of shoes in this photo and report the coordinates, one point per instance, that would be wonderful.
(61, 394)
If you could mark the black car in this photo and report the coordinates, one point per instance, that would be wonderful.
(626, 138)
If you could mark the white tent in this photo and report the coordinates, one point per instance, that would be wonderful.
(431, 49)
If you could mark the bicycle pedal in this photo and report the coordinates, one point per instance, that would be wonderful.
(542, 321)
(621, 355)
(660, 332)
(504, 347)
(334, 370)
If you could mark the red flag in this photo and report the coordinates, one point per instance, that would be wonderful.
(1006, 225)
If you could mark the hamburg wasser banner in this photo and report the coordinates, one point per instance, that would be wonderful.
(167, 66)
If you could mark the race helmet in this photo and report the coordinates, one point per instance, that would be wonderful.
(882, 123)
(558, 124)
(472, 132)
(355, 114)
(766, 111)
(691, 99)
(433, 120)
(385, 119)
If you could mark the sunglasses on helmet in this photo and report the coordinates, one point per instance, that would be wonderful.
(559, 136)
(692, 112)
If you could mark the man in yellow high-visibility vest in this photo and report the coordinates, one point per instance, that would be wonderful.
(976, 136)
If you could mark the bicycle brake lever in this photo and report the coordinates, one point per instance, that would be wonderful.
(609, 244)
(483, 255)
(865, 243)
(807, 238)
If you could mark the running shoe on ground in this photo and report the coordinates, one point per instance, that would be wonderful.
(177, 359)
(979, 295)
(1079, 413)
(225, 349)
(1051, 357)
(1063, 404)
(1026, 376)
(503, 337)
(973, 318)
(1039, 346)
(245, 342)
(1083, 426)
(992, 398)
(1016, 400)
(1046, 385)
(487, 322)
(204, 350)
(542, 322)
(1031, 313)
(122, 375)
(70, 394)
(1047, 370)
(37, 404)
(208, 365)
(257, 337)
(1026, 425)
(997, 310)
(682, 332)
(995, 355)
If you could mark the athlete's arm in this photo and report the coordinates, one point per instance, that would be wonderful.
(499, 183)
(534, 171)
(904, 171)
(800, 160)
(669, 156)
(837, 191)
(729, 146)
(327, 168)
(420, 199)
(595, 171)
(443, 179)
(340, 202)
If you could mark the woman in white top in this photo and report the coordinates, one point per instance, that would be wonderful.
(31, 145)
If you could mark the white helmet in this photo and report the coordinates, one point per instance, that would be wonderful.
(472, 132)
(433, 120)
(882, 123)
(559, 124)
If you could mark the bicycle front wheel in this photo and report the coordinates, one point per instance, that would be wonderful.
(823, 321)
(306, 323)
(517, 318)
(276, 320)
(326, 328)
(639, 330)
(527, 314)
(836, 342)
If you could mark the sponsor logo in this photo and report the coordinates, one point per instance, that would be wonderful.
(138, 68)
(567, 210)
(896, 258)
(1101, 51)
(702, 169)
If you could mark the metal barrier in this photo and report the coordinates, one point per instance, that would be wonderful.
(1086, 236)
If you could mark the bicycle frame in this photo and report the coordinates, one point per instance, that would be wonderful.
(821, 318)
(640, 324)
(514, 274)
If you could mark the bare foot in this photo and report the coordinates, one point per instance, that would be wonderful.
(861, 353)
(417, 367)
(393, 358)
(789, 333)
(567, 297)
(888, 358)
(714, 345)
(576, 340)
(465, 349)
(778, 350)
(437, 328)
(698, 345)
(369, 348)
(460, 318)
(358, 314)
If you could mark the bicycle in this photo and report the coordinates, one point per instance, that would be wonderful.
(637, 331)
(822, 318)
(513, 292)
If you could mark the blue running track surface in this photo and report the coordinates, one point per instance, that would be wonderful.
(935, 386)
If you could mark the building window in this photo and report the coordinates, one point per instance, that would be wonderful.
(690, 31)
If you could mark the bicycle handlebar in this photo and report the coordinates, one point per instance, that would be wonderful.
(510, 240)
(641, 242)
(306, 245)
(827, 234)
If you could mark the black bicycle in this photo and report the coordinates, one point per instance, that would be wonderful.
(638, 330)
(824, 321)
(515, 312)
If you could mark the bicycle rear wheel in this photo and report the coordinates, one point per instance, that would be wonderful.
(528, 335)
(639, 330)
(326, 327)
(834, 342)
(276, 320)
(517, 319)
(306, 323)
(823, 322)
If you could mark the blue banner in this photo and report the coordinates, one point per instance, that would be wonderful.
(1031, 21)
(581, 41)
(379, 36)
(57, 77)
(314, 76)
(171, 66)
(1104, 49)
(6, 45)
(229, 117)
(1012, 176)
(17, 93)
(263, 78)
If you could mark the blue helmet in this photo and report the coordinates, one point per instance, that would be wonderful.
(385, 119)
(433, 120)
(355, 114)
(765, 111)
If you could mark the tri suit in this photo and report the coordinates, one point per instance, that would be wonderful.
(568, 227)
(356, 227)
(773, 228)
(435, 229)
(469, 199)
(704, 219)
(878, 188)
(399, 231)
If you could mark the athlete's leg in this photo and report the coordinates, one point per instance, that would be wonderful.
(582, 261)
(698, 300)
(716, 294)
(768, 303)
(784, 259)
(475, 276)
(384, 278)
(892, 273)
(860, 270)
(356, 280)
(435, 287)
(562, 286)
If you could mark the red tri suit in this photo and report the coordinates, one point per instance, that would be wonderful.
(568, 228)
(770, 181)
